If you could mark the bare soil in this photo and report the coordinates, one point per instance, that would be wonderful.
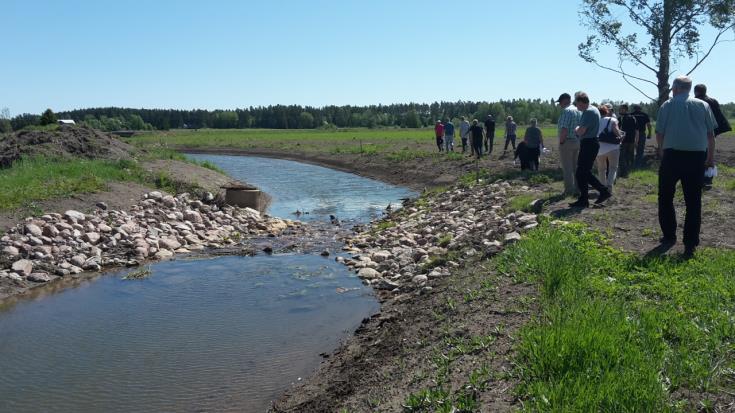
(66, 142)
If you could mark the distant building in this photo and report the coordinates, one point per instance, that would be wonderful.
(66, 122)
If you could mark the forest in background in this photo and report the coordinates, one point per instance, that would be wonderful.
(409, 115)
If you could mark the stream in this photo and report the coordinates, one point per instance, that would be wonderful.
(200, 333)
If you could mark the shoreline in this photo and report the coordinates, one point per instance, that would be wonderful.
(416, 180)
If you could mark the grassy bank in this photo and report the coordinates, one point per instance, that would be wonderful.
(394, 144)
(40, 179)
(620, 332)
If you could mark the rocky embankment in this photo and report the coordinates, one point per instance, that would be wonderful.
(431, 236)
(58, 245)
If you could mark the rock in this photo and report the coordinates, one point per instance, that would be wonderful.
(163, 254)
(193, 216)
(23, 267)
(74, 216)
(387, 285)
(78, 260)
(324, 253)
(169, 201)
(11, 251)
(50, 231)
(15, 277)
(39, 277)
(33, 229)
(101, 205)
(155, 195)
(420, 279)
(512, 237)
(381, 256)
(104, 228)
(368, 273)
(169, 243)
(92, 237)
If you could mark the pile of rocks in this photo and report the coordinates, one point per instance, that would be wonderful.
(429, 238)
(41, 249)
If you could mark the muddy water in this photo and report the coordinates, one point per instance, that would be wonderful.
(219, 334)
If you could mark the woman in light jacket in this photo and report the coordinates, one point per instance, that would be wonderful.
(608, 157)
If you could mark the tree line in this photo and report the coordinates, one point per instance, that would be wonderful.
(408, 115)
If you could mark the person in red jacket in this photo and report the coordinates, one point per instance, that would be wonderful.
(439, 132)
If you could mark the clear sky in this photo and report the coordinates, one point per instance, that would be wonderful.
(228, 54)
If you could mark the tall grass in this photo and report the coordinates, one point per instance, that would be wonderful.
(618, 332)
(38, 179)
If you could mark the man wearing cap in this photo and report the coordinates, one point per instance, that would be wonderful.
(685, 136)
(644, 132)
(589, 126)
(700, 92)
(568, 142)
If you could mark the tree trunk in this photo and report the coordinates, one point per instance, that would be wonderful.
(664, 61)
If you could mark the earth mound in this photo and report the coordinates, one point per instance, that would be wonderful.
(65, 142)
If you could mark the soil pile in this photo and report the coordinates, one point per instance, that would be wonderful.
(65, 142)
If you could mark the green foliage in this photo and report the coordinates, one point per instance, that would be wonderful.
(48, 118)
(38, 179)
(631, 26)
(619, 332)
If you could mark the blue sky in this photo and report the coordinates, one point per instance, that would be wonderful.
(227, 54)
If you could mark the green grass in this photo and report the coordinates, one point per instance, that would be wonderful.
(394, 144)
(31, 180)
(618, 332)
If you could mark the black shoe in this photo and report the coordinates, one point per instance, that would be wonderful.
(667, 241)
(604, 196)
(689, 251)
(579, 204)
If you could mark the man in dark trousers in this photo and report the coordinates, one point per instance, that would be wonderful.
(628, 125)
(589, 125)
(685, 134)
(644, 132)
(700, 92)
(489, 134)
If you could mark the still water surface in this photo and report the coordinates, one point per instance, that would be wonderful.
(219, 334)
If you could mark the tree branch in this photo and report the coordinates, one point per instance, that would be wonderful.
(636, 88)
(621, 72)
(715, 43)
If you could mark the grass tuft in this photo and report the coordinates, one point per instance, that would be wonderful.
(619, 332)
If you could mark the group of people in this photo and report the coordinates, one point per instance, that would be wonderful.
(474, 134)
(478, 137)
(686, 128)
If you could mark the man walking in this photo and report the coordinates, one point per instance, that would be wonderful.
(449, 136)
(589, 126)
(685, 134)
(439, 133)
(644, 132)
(568, 142)
(489, 134)
(628, 125)
(464, 130)
(700, 92)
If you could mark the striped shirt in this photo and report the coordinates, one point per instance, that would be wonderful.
(569, 119)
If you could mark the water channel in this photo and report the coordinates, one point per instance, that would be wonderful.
(207, 334)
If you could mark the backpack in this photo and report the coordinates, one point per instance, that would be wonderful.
(608, 136)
